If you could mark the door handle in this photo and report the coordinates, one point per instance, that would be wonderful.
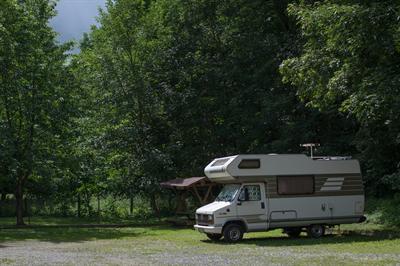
(262, 205)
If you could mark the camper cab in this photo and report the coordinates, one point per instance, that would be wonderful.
(293, 192)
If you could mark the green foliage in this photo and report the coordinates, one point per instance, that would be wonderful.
(384, 211)
(350, 62)
(171, 85)
(162, 87)
(36, 89)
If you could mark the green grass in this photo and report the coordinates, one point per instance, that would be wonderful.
(366, 243)
(6, 261)
(169, 245)
(55, 221)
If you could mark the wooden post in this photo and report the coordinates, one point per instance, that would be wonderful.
(181, 203)
(197, 195)
(207, 193)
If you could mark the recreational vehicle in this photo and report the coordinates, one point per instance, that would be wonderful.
(292, 191)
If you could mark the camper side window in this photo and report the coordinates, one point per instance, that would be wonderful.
(295, 185)
(249, 164)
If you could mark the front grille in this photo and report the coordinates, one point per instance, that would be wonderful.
(202, 219)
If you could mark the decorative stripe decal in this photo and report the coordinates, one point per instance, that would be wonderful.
(338, 188)
(330, 179)
(332, 184)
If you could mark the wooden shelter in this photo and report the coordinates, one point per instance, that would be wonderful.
(202, 189)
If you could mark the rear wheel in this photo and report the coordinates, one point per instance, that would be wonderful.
(233, 233)
(214, 237)
(316, 230)
(293, 232)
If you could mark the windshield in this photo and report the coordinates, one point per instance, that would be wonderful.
(228, 192)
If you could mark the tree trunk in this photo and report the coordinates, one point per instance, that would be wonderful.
(79, 205)
(2, 199)
(26, 212)
(170, 201)
(98, 209)
(87, 204)
(19, 197)
(153, 204)
(98, 205)
(281, 10)
(131, 205)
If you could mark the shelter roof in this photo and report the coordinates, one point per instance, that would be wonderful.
(185, 182)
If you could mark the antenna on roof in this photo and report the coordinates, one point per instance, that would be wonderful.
(311, 146)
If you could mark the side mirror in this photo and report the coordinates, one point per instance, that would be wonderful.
(246, 194)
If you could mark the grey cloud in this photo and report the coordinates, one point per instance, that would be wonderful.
(75, 17)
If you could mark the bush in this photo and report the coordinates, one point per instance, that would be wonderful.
(391, 211)
(384, 211)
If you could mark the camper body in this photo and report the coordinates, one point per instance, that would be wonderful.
(293, 192)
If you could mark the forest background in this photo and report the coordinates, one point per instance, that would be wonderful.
(161, 87)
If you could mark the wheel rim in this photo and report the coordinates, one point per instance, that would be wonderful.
(234, 234)
(316, 230)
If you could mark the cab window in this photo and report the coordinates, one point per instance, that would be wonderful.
(250, 193)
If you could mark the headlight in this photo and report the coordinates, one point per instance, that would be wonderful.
(204, 219)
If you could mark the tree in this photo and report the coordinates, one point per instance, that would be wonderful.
(116, 60)
(35, 93)
(172, 85)
(350, 62)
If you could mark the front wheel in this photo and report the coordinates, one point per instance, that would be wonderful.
(316, 230)
(233, 233)
(214, 237)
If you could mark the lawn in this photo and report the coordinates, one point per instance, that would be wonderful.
(39, 221)
(183, 246)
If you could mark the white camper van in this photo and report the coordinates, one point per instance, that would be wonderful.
(291, 191)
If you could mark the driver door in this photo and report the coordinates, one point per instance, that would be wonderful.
(252, 206)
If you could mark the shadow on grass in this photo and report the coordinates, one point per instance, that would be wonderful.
(348, 237)
(59, 235)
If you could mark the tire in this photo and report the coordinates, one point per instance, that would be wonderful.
(316, 230)
(293, 232)
(214, 237)
(233, 233)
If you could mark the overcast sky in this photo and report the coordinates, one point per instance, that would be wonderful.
(75, 17)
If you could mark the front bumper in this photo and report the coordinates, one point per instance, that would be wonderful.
(208, 229)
